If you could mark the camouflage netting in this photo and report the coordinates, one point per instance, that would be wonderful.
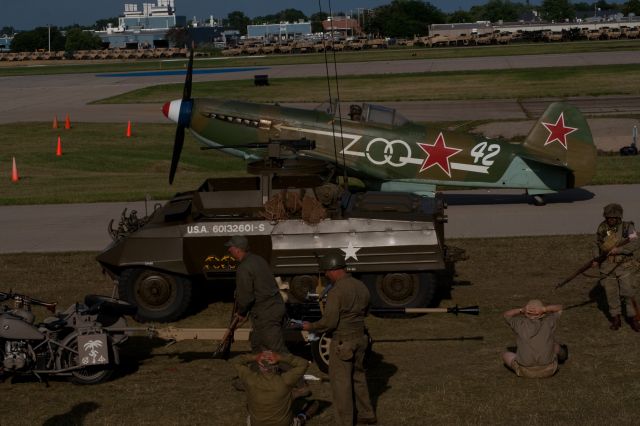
(312, 210)
(274, 209)
(290, 204)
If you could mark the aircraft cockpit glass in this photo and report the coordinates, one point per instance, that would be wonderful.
(375, 114)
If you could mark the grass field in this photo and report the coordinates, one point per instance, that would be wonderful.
(557, 82)
(435, 369)
(100, 164)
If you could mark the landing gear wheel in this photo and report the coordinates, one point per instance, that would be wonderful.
(538, 200)
(90, 375)
(159, 297)
(401, 290)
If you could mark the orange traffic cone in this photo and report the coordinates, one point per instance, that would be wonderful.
(55, 122)
(129, 129)
(67, 122)
(14, 172)
(59, 148)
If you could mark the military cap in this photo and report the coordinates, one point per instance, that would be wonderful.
(239, 241)
(612, 210)
(334, 259)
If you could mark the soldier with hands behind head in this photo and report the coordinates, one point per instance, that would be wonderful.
(269, 398)
(537, 354)
(346, 306)
(617, 240)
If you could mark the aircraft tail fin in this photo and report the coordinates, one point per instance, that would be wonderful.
(562, 137)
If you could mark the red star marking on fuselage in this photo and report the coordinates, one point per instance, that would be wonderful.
(558, 131)
(438, 154)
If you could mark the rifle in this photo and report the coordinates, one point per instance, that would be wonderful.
(599, 259)
(224, 347)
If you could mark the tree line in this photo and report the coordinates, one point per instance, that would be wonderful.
(399, 18)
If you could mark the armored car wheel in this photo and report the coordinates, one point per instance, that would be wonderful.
(401, 290)
(159, 296)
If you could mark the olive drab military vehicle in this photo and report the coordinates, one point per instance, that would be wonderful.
(393, 241)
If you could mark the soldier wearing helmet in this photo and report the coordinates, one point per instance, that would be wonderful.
(258, 296)
(346, 306)
(617, 240)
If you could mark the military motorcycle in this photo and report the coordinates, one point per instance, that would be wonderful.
(80, 343)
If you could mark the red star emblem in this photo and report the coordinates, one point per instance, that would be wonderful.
(438, 154)
(558, 132)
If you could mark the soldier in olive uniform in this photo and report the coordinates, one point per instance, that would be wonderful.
(258, 296)
(537, 354)
(618, 240)
(347, 305)
(269, 398)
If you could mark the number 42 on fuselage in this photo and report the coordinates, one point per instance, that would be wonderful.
(387, 152)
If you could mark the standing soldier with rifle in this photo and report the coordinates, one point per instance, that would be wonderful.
(257, 296)
(616, 242)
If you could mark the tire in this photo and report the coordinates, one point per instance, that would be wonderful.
(89, 375)
(401, 290)
(320, 351)
(300, 286)
(159, 297)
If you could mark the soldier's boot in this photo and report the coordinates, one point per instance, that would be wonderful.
(616, 322)
(308, 410)
(563, 355)
(633, 322)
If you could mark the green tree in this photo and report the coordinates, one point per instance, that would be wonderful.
(178, 37)
(557, 10)
(7, 31)
(500, 10)
(101, 24)
(404, 18)
(460, 16)
(238, 21)
(291, 15)
(38, 38)
(316, 21)
(631, 6)
(79, 39)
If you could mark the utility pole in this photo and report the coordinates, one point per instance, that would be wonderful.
(49, 33)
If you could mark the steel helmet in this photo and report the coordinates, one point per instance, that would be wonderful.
(334, 259)
(612, 210)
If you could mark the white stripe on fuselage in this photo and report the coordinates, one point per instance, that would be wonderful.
(355, 138)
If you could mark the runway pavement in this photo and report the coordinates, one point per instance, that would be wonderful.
(472, 214)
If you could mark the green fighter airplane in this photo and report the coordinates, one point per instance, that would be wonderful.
(389, 153)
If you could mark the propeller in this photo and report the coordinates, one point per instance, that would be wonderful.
(184, 117)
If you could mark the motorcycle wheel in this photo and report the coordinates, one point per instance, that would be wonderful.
(90, 375)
